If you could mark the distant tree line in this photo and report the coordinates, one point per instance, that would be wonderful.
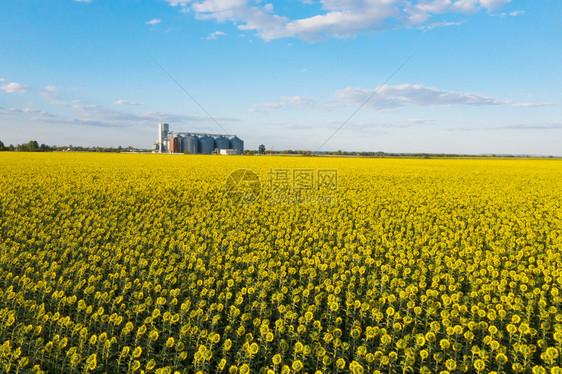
(262, 151)
(33, 146)
(6, 148)
(96, 149)
(386, 155)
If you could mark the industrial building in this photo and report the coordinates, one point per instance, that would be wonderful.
(196, 143)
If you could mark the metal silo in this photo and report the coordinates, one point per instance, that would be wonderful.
(222, 143)
(238, 144)
(163, 130)
(183, 144)
(192, 145)
(206, 145)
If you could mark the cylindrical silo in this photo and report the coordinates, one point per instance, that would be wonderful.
(175, 145)
(206, 145)
(183, 144)
(192, 145)
(237, 144)
(222, 143)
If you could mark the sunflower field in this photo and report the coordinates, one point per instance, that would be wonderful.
(130, 263)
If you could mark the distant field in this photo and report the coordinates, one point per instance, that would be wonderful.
(129, 263)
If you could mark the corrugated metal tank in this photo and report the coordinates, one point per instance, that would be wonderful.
(222, 143)
(192, 145)
(206, 145)
(238, 144)
(183, 144)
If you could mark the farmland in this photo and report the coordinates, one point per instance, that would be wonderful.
(143, 263)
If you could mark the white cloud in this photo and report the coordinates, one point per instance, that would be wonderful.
(359, 127)
(298, 101)
(529, 105)
(214, 35)
(26, 111)
(66, 103)
(412, 122)
(15, 88)
(154, 21)
(531, 126)
(391, 97)
(521, 126)
(259, 18)
(434, 25)
(95, 115)
(125, 102)
(421, 12)
(182, 3)
(337, 18)
(3, 79)
(414, 94)
(336, 23)
(465, 6)
(98, 116)
(493, 4)
(50, 92)
(515, 13)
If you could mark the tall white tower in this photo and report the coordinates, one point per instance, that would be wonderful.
(163, 129)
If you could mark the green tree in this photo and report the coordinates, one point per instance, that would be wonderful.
(45, 148)
(33, 146)
(2, 148)
(261, 149)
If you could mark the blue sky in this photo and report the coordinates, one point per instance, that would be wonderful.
(484, 75)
